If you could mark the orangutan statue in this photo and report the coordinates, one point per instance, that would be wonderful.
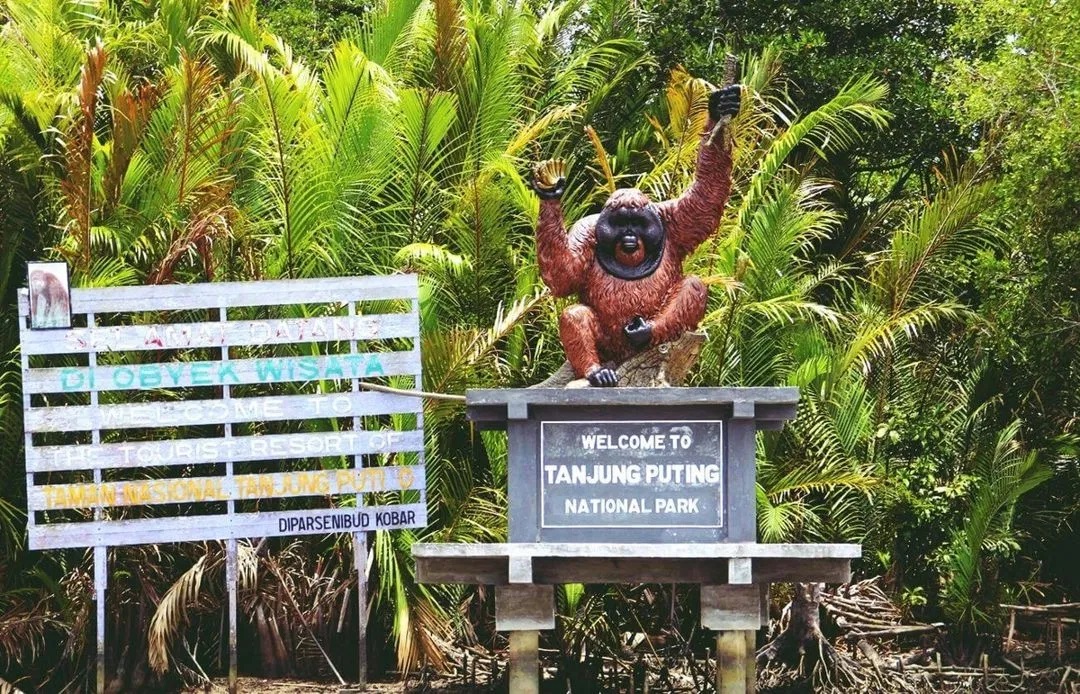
(625, 263)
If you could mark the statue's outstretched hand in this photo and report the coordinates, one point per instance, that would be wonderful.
(725, 102)
(549, 179)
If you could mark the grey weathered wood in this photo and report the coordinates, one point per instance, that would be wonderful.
(494, 570)
(181, 374)
(621, 563)
(524, 607)
(631, 396)
(490, 408)
(274, 408)
(242, 333)
(101, 572)
(554, 563)
(172, 490)
(135, 531)
(730, 607)
(818, 570)
(520, 569)
(231, 587)
(360, 559)
(491, 571)
(541, 425)
(523, 442)
(739, 570)
(617, 550)
(174, 297)
(146, 330)
(214, 450)
(360, 550)
(610, 570)
(741, 469)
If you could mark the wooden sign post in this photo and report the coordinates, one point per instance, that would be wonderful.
(633, 485)
(160, 426)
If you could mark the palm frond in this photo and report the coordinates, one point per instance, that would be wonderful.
(831, 127)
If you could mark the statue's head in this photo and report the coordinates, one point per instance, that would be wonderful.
(629, 235)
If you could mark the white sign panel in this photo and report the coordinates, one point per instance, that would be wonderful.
(225, 410)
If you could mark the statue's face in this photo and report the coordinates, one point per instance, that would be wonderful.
(629, 236)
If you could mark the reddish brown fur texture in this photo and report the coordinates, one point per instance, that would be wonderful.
(592, 331)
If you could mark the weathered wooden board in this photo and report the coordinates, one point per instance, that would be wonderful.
(199, 393)
(604, 562)
(185, 297)
(216, 450)
(652, 552)
(242, 333)
(184, 413)
(270, 485)
(186, 374)
(137, 531)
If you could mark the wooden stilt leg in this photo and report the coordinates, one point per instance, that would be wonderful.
(101, 578)
(525, 662)
(731, 662)
(751, 663)
(231, 585)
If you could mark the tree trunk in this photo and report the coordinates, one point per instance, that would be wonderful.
(802, 647)
(802, 633)
(658, 367)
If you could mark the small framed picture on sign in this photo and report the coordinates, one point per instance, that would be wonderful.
(50, 296)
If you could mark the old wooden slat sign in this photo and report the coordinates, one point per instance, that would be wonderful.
(224, 411)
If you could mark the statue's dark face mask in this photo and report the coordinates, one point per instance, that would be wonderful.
(629, 241)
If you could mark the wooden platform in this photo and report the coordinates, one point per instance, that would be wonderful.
(559, 562)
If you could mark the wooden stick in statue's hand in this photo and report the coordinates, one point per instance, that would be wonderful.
(724, 103)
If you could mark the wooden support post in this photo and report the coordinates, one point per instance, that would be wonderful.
(101, 557)
(231, 585)
(751, 661)
(734, 611)
(525, 662)
(360, 545)
(731, 662)
(231, 578)
(360, 552)
(524, 609)
(101, 577)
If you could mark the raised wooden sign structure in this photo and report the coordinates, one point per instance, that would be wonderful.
(224, 411)
(633, 485)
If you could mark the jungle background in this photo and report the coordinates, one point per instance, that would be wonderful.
(902, 244)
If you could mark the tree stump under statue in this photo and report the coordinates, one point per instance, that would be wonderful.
(661, 366)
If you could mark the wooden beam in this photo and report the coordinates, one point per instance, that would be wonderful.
(523, 607)
(730, 607)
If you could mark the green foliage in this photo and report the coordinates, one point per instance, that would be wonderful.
(1005, 473)
(825, 43)
(185, 141)
(1017, 82)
